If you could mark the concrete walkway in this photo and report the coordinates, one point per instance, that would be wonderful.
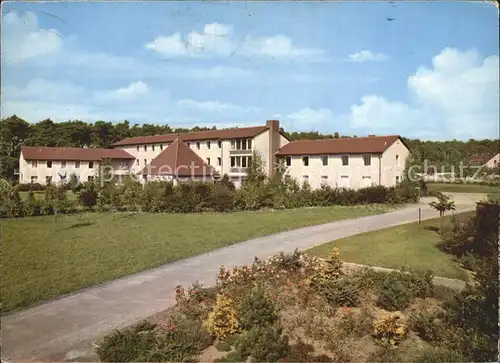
(64, 329)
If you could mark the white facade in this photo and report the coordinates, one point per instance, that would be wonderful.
(60, 171)
(349, 170)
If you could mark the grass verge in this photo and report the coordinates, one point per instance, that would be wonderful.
(410, 245)
(461, 188)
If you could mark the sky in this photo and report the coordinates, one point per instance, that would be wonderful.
(424, 70)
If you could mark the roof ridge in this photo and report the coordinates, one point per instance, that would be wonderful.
(345, 138)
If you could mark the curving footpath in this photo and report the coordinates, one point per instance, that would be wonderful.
(64, 329)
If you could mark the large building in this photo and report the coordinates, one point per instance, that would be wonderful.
(204, 155)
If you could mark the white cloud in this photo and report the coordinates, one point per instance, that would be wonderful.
(308, 118)
(217, 40)
(367, 56)
(457, 97)
(134, 89)
(213, 106)
(23, 39)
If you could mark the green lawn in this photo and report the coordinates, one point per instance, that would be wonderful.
(409, 245)
(44, 257)
(461, 188)
(494, 197)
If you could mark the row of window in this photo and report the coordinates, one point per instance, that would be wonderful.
(241, 161)
(34, 164)
(367, 160)
(48, 179)
(198, 145)
(324, 178)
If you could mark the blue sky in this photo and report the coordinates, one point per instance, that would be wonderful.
(432, 72)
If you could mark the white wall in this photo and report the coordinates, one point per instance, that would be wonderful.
(393, 163)
(493, 162)
(41, 171)
(338, 175)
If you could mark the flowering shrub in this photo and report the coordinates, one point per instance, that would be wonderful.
(196, 302)
(277, 267)
(222, 320)
(390, 329)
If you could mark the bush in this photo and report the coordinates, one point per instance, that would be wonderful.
(195, 304)
(302, 352)
(341, 292)
(393, 294)
(262, 344)
(26, 187)
(33, 206)
(427, 325)
(390, 329)
(182, 340)
(88, 195)
(257, 310)
(222, 320)
(355, 324)
(439, 355)
(330, 271)
(127, 345)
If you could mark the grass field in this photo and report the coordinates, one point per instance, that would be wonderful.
(410, 245)
(461, 188)
(44, 257)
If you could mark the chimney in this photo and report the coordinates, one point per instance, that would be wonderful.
(371, 135)
(274, 144)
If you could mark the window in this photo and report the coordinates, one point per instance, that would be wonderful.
(233, 161)
(48, 179)
(77, 164)
(243, 162)
(219, 143)
(153, 147)
(238, 144)
(249, 144)
(137, 147)
(238, 161)
(198, 145)
(249, 161)
(397, 179)
(232, 144)
(91, 164)
(324, 160)
(137, 162)
(63, 164)
(208, 144)
(345, 160)
(305, 178)
(324, 180)
(34, 179)
(90, 178)
(145, 162)
(49, 163)
(305, 160)
(219, 161)
(367, 159)
(161, 146)
(145, 147)
(34, 163)
(288, 161)
(208, 161)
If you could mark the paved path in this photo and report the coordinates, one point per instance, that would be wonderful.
(63, 329)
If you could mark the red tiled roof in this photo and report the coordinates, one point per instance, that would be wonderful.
(72, 153)
(480, 159)
(224, 134)
(352, 145)
(178, 160)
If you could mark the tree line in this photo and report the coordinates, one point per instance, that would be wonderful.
(14, 132)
